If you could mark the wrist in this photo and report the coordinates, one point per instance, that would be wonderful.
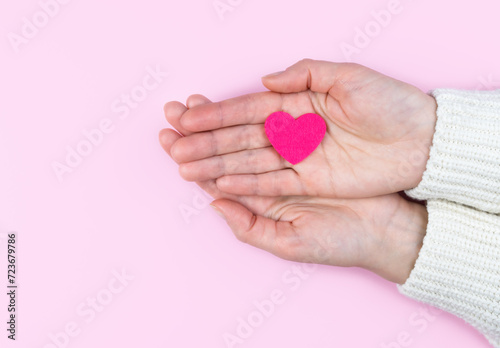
(397, 253)
(419, 155)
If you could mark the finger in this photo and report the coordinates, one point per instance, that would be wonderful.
(173, 111)
(218, 142)
(276, 237)
(246, 109)
(195, 100)
(277, 183)
(167, 138)
(256, 204)
(243, 162)
(318, 76)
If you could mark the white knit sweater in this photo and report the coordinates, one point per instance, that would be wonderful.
(458, 268)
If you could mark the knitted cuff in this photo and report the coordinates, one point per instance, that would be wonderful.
(458, 267)
(464, 162)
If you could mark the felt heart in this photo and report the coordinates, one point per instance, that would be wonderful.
(295, 139)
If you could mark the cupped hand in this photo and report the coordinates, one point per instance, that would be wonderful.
(379, 131)
(381, 234)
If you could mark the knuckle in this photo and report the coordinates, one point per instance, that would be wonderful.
(222, 165)
(306, 61)
(213, 144)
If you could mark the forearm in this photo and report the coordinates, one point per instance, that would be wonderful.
(458, 268)
(458, 265)
(464, 163)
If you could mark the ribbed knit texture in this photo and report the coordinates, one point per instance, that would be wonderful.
(458, 268)
(464, 163)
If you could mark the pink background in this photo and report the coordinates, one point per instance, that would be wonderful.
(120, 207)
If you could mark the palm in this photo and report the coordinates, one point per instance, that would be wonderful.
(377, 127)
(321, 230)
(377, 140)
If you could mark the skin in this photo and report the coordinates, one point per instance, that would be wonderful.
(382, 234)
(379, 131)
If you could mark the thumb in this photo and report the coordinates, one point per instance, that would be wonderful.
(318, 76)
(256, 230)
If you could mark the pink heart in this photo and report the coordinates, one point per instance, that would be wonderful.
(295, 139)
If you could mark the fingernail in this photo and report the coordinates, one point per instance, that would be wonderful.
(217, 210)
(274, 74)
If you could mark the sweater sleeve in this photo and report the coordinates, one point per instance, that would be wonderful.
(464, 161)
(458, 267)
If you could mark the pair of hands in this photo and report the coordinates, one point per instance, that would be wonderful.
(340, 205)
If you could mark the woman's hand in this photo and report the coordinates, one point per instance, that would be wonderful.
(379, 131)
(382, 234)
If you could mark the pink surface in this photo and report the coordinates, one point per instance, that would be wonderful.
(295, 139)
(107, 255)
